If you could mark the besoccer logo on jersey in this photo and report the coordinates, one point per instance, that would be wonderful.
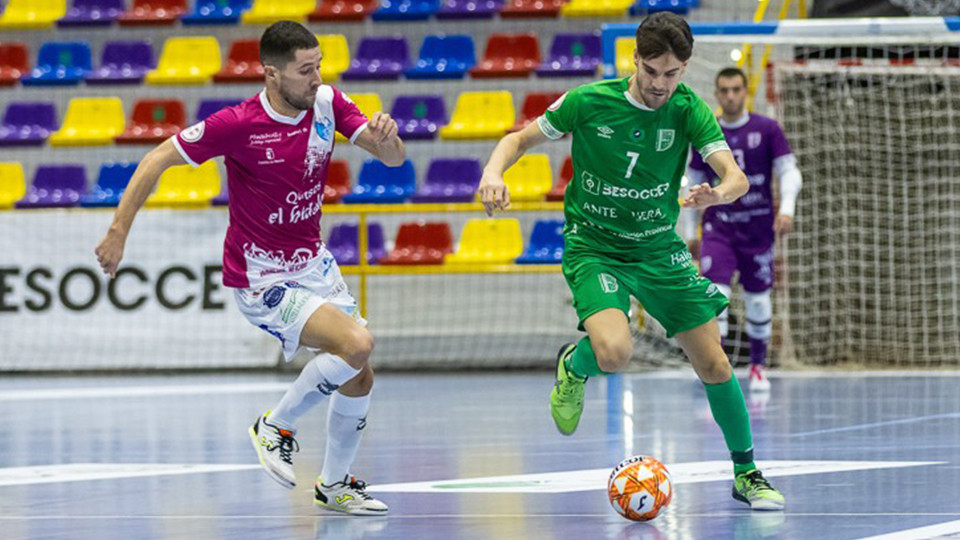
(323, 127)
(665, 139)
(590, 183)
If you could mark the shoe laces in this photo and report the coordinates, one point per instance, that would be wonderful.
(756, 482)
(286, 446)
(360, 487)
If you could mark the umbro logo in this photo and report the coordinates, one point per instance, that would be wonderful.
(604, 132)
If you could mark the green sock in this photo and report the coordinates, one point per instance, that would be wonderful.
(583, 363)
(730, 412)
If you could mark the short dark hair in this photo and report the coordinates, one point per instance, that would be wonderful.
(729, 72)
(664, 32)
(280, 42)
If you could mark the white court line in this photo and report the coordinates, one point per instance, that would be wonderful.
(858, 427)
(940, 530)
(81, 472)
(687, 373)
(330, 515)
(42, 394)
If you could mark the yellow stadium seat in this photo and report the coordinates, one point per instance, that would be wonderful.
(32, 14)
(367, 103)
(185, 186)
(624, 49)
(90, 122)
(187, 60)
(12, 185)
(596, 8)
(336, 56)
(480, 115)
(530, 178)
(488, 241)
(271, 11)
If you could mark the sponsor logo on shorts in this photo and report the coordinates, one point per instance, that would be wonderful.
(274, 296)
(291, 310)
(665, 138)
(681, 258)
(608, 283)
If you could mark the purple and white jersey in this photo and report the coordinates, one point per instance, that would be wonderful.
(757, 142)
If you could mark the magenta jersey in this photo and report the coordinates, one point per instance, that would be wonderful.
(276, 170)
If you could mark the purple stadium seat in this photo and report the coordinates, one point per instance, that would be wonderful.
(572, 55)
(223, 199)
(379, 58)
(27, 124)
(450, 180)
(469, 9)
(210, 106)
(344, 243)
(419, 117)
(55, 186)
(123, 62)
(92, 13)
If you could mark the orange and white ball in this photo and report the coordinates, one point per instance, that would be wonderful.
(639, 488)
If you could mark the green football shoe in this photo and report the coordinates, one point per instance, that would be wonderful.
(752, 488)
(566, 398)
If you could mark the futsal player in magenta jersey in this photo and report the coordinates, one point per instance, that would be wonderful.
(739, 238)
(277, 147)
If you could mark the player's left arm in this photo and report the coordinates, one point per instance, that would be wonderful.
(788, 174)
(381, 140)
(733, 183)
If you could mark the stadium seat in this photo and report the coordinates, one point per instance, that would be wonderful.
(90, 122)
(187, 60)
(27, 123)
(13, 63)
(624, 48)
(154, 121)
(469, 9)
(344, 243)
(530, 9)
(508, 55)
(444, 57)
(546, 243)
(123, 62)
(153, 13)
(419, 117)
(530, 178)
(59, 64)
(405, 10)
(380, 184)
(215, 12)
(338, 182)
(55, 186)
(367, 103)
(643, 8)
(271, 11)
(243, 63)
(572, 55)
(344, 10)
(185, 186)
(421, 243)
(488, 241)
(480, 115)
(32, 14)
(210, 106)
(12, 184)
(450, 181)
(336, 56)
(92, 13)
(111, 182)
(378, 58)
(596, 8)
(534, 105)
(566, 173)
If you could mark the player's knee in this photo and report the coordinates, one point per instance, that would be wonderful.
(612, 355)
(363, 382)
(358, 348)
(716, 370)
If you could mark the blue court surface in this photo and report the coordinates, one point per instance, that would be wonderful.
(476, 456)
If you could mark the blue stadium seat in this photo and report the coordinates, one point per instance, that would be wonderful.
(405, 10)
(380, 184)
(112, 180)
(216, 12)
(645, 7)
(546, 243)
(444, 57)
(60, 64)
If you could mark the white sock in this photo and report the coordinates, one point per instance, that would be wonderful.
(318, 380)
(346, 421)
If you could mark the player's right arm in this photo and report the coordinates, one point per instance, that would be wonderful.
(493, 191)
(110, 249)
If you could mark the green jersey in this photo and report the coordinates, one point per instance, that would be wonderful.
(628, 160)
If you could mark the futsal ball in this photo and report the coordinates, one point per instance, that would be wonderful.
(639, 487)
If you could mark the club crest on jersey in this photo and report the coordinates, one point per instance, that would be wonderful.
(194, 132)
(665, 138)
(753, 139)
(323, 127)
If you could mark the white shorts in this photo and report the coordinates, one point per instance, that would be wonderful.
(283, 307)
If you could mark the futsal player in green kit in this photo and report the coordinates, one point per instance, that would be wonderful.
(630, 143)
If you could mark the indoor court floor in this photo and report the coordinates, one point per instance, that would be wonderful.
(476, 456)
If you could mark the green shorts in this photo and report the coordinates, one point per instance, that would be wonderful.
(667, 285)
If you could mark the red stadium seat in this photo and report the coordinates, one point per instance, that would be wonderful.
(534, 105)
(509, 55)
(515, 9)
(338, 182)
(344, 10)
(243, 63)
(566, 173)
(421, 243)
(153, 13)
(13, 63)
(154, 121)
